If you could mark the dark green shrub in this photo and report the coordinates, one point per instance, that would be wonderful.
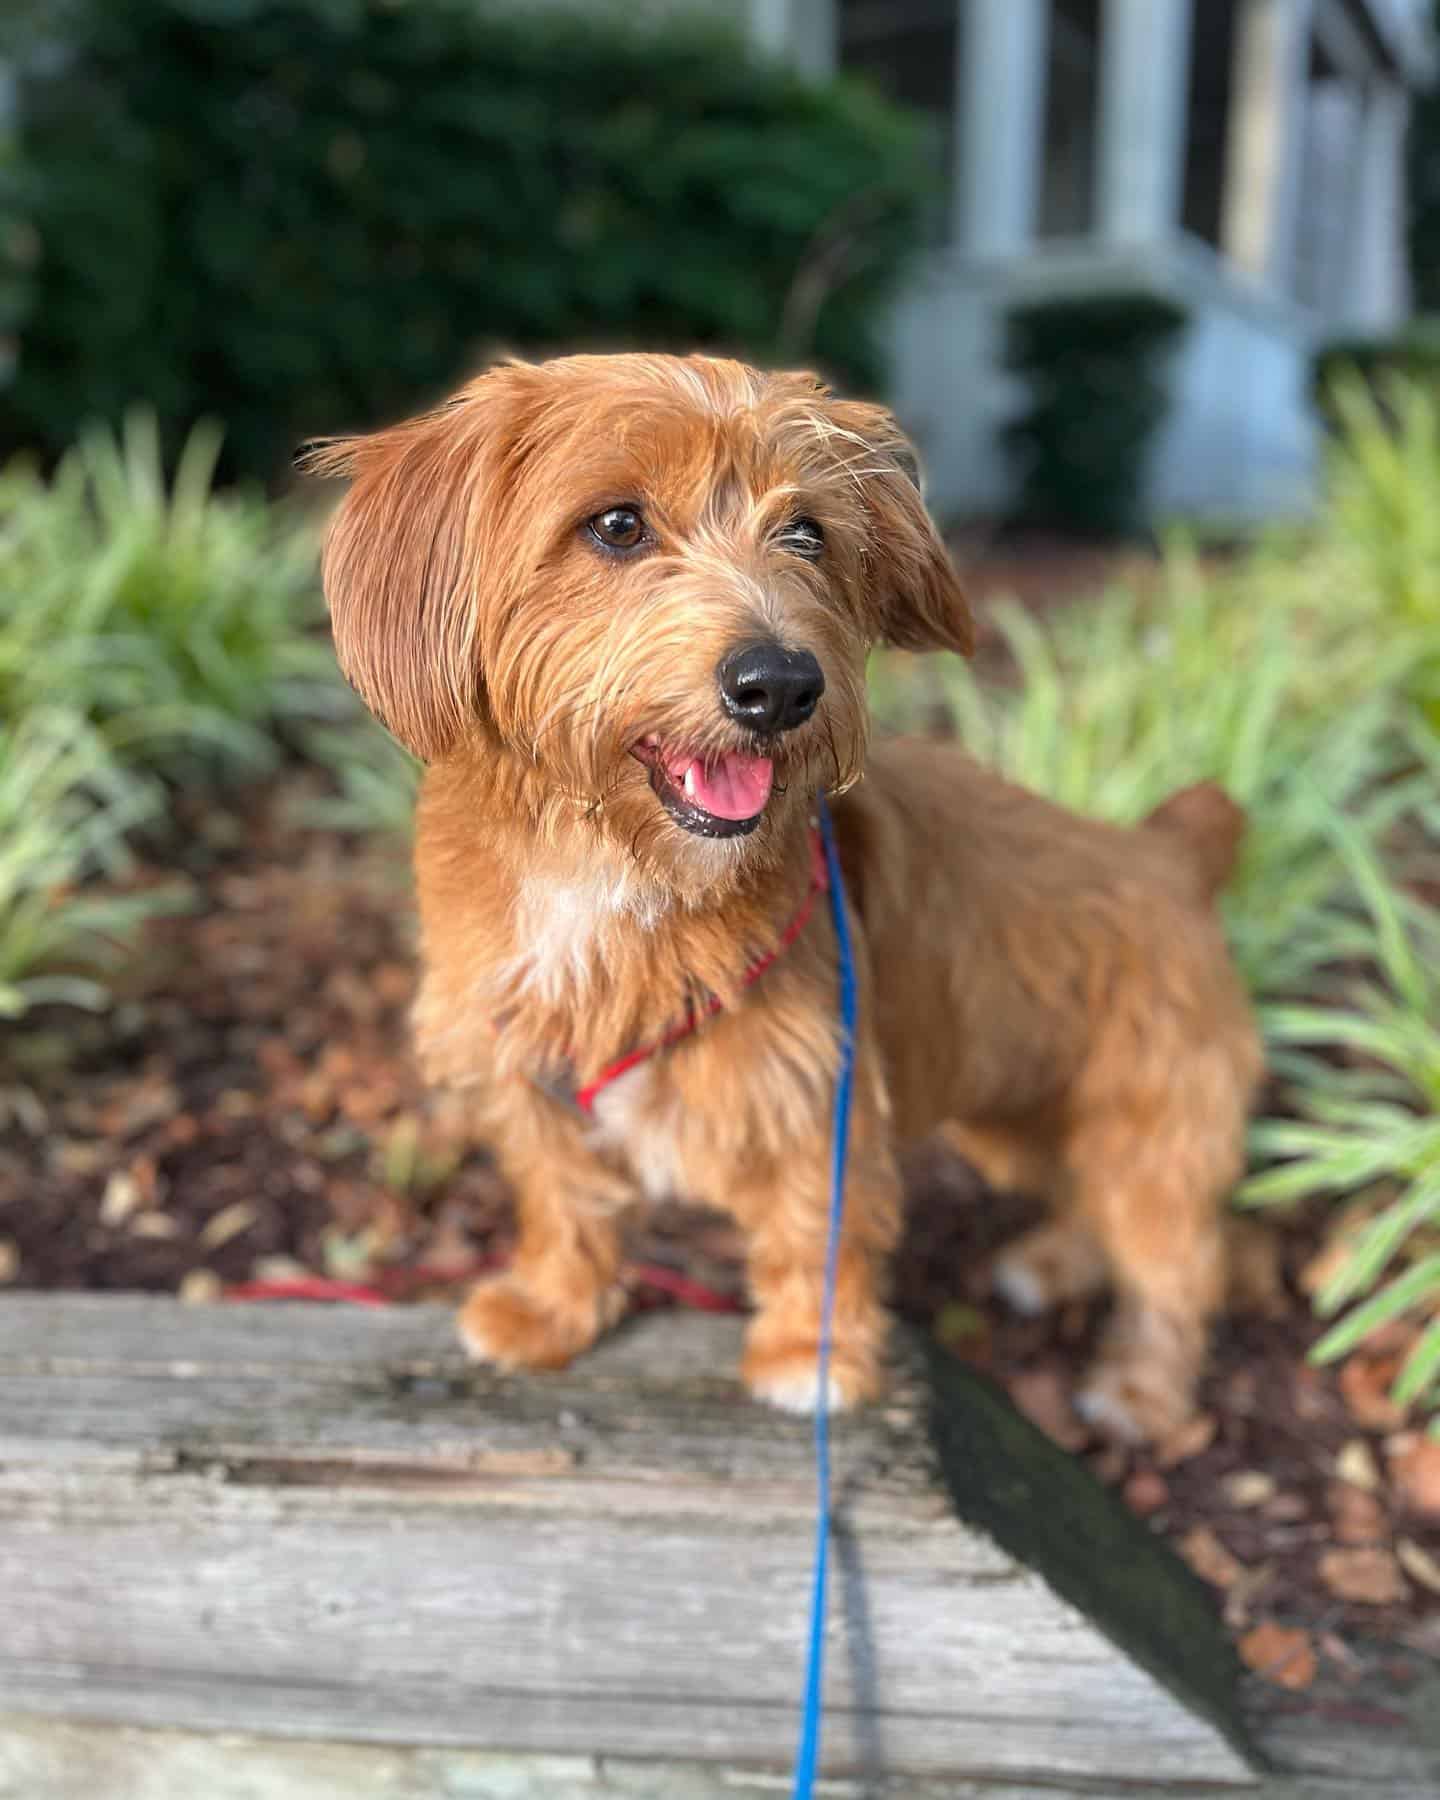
(1412, 355)
(305, 216)
(1095, 371)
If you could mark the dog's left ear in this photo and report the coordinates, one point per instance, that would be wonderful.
(920, 602)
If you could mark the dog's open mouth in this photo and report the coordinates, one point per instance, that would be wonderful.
(718, 797)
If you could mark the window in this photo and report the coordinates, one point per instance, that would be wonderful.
(909, 49)
(1207, 130)
(1072, 106)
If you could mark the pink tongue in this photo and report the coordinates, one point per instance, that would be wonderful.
(735, 787)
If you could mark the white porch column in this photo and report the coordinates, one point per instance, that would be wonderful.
(1000, 135)
(1377, 291)
(802, 32)
(1265, 143)
(1144, 95)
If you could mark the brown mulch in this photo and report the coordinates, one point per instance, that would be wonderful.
(248, 1110)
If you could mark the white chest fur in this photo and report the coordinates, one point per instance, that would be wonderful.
(567, 929)
(637, 1117)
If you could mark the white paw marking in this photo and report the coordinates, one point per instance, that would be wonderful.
(476, 1345)
(797, 1389)
(1097, 1407)
(1020, 1288)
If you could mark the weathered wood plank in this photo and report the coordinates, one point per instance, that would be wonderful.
(322, 1524)
(64, 1759)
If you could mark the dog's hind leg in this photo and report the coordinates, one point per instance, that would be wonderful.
(1055, 1263)
(1150, 1182)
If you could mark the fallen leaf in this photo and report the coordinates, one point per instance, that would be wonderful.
(199, 1287)
(1240, 1599)
(1146, 1492)
(154, 1225)
(1194, 1437)
(1041, 1395)
(1369, 1577)
(1356, 1464)
(1365, 1383)
(957, 1324)
(1209, 1558)
(1416, 1474)
(1280, 1653)
(226, 1224)
(279, 1268)
(1359, 1517)
(122, 1197)
(1248, 1487)
(1419, 1564)
(9, 1261)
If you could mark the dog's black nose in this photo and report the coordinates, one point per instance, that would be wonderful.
(769, 688)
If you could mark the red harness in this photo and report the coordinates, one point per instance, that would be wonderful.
(561, 1085)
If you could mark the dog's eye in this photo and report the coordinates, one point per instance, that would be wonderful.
(805, 537)
(618, 528)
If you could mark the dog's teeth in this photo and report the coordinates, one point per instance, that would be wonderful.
(690, 782)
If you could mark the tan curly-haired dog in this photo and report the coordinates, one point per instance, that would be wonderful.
(621, 606)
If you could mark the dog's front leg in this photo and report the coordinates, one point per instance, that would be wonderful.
(562, 1289)
(785, 1211)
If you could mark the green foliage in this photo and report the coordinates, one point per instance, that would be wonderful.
(1410, 357)
(304, 216)
(1382, 529)
(1375, 1116)
(377, 778)
(65, 810)
(172, 618)
(1095, 372)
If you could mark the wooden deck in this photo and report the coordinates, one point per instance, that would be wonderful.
(380, 1571)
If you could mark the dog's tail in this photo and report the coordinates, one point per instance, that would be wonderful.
(1208, 826)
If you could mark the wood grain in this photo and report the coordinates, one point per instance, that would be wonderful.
(308, 1523)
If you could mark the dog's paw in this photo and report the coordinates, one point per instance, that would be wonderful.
(1047, 1267)
(1133, 1405)
(503, 1323)
(1019, 1287)
(790, 1379)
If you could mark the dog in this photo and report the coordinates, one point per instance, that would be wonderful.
(621, 607)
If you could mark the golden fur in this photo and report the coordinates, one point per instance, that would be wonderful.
(1054, 991)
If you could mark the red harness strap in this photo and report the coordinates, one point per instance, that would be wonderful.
(560, 1087)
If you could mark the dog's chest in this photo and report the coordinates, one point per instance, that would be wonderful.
(568, 931)
(638, 1117)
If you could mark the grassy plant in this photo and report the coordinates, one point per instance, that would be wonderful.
(171, 617)
(1372, 1115)
(65, 810)
(377, 779)
(1381, 532)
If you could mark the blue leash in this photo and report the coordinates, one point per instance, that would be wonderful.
(808, 1755)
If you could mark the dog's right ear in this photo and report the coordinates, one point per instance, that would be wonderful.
(403, 560)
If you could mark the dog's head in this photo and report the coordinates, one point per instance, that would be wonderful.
(652, 580)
